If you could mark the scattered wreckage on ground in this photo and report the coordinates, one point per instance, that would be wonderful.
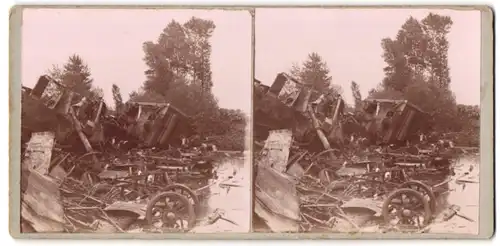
(332, 170)
(86, 170)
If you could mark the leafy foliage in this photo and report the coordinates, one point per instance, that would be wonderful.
(315, 71)
(231, 129)
(417, 70)
(117, 98)
(469, 117)
(76, 75)
(356, 94)
(179, 72)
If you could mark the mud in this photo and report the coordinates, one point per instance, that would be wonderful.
(464, 193)
(229, 196)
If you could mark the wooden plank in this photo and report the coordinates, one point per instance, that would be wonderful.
(277, 149)
(170, 125)
(157, 127)
(39, 152)
(40, 202)
(276, 200)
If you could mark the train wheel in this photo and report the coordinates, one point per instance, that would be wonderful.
(170, 211)
(406, 209)
(425, 190)
(187, 192)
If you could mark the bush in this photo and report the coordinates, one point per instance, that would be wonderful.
(230, 131)
(234, 140)
(469, 138)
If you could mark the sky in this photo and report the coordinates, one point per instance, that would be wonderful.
(110, 42)
(349, 40)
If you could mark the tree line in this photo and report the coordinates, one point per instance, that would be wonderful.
(416, 70)
(178, 72)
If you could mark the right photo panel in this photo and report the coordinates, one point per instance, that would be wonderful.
(366, 120)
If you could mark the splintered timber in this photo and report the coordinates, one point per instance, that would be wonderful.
(86, 169)
(322, 167)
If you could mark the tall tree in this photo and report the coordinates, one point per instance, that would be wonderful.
(313, 71)
(437, 28)
(417, 67)
(159, 74)
(179, 70)
(117, 98)
(76, 75)
(420, 49)
(403, 55)
(182, 52)
(199, 31)
(356, 94)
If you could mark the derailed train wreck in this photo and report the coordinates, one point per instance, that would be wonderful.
(285, 105)
(85, 169)
(50, 106)
(317, 164)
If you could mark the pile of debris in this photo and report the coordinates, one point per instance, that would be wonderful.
(296, 190)
(332, 171)
(85, 170)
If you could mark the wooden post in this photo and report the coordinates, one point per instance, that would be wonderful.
(139, 113)
(99, 111)
(82, 136)
(317, 126)
(336, 126)
(91, 124)
(336, 112)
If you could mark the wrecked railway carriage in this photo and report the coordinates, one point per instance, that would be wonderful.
(406, 120)
(50, 106)
(280, 106)
(70, 189)
(285, 105)
(45, 109)
(157, 124)
(309, 176)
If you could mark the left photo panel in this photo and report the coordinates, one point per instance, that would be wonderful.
(133, 120)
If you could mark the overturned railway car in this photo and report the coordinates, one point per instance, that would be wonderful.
(282, 105)
(158, 124)
(406, 120)
(44, 108)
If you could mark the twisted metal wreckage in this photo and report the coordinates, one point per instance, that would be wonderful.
(321, 168)
(84, 169)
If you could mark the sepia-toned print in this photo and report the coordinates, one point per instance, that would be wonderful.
(366, 120)
(135, 120)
